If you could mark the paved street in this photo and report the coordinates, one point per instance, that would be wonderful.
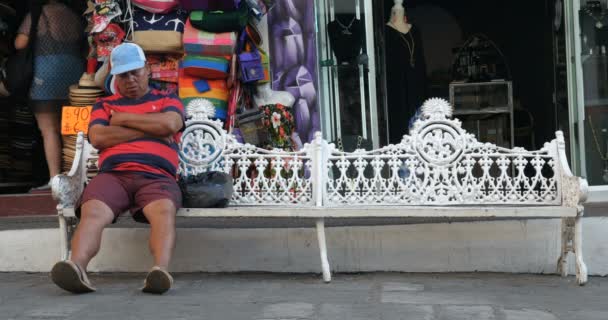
(280, 296)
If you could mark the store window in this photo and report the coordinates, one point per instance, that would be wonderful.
(379, 61)
(592, 84)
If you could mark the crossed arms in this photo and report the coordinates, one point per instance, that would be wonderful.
(125, 127)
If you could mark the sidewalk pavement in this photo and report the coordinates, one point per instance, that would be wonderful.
(387, 296)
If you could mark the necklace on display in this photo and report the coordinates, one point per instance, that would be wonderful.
(411, 48)
(346, 29)
(599, 150)
(598, 20)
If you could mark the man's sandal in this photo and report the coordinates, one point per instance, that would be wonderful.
(157, 281)
(70, 277)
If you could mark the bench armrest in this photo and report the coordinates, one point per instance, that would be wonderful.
(68, 187)
(575, 189)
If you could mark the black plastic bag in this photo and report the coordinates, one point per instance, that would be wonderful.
(206, 190)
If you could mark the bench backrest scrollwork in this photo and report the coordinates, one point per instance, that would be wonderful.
(438, 163)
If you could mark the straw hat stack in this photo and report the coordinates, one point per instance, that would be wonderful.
(85, 93)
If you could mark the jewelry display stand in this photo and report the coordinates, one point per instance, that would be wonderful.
(486, 110)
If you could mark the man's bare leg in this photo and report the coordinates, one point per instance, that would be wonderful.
(95, 216)
(71, 274)
(161, 215)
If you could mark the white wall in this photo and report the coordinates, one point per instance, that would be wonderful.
(505, 246)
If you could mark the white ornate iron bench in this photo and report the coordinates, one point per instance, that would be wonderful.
(438, 171)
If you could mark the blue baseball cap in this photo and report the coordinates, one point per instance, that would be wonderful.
(127, 57)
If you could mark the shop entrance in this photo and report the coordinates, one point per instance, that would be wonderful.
(502, 64)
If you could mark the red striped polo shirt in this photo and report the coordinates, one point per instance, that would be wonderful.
(148, 156)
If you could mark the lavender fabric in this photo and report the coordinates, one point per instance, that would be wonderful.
(294, 55)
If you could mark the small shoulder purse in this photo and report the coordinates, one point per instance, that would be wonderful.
(250, 63)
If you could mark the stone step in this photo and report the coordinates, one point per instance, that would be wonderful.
(34, 204)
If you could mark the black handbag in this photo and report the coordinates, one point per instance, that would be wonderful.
(20, 66)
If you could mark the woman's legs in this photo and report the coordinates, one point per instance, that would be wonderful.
(48, 117)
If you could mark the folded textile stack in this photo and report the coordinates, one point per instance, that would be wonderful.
(206, 67)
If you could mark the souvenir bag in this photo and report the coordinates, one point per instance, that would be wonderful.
(201, 42)
(20, 66)
(250, 62)
(265, 64)
(209, 5)
(156, 6)
(220, 21)
(160, 33)
(206, 67)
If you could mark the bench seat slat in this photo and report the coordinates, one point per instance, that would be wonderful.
(380, 212)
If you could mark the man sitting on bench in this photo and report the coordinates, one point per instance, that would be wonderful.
(137, 133)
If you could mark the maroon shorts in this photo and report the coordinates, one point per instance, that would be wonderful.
(122, 191)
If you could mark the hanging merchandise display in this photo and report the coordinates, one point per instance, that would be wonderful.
(192, 51)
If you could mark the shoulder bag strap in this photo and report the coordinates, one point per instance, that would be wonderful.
(35, 18)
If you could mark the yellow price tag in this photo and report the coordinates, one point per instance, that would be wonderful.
(75, 119)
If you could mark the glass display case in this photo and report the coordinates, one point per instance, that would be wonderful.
(485, 109)
(347, 72)
(593, 59)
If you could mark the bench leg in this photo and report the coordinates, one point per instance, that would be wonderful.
(323, 250)
(581, 267)
(63, 237)
(562, 262)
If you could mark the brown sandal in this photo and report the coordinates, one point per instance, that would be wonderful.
(157, 281)
(68, 276)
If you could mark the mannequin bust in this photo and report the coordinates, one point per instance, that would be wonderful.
(406, 80)
(398, 19)
(266, 96)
